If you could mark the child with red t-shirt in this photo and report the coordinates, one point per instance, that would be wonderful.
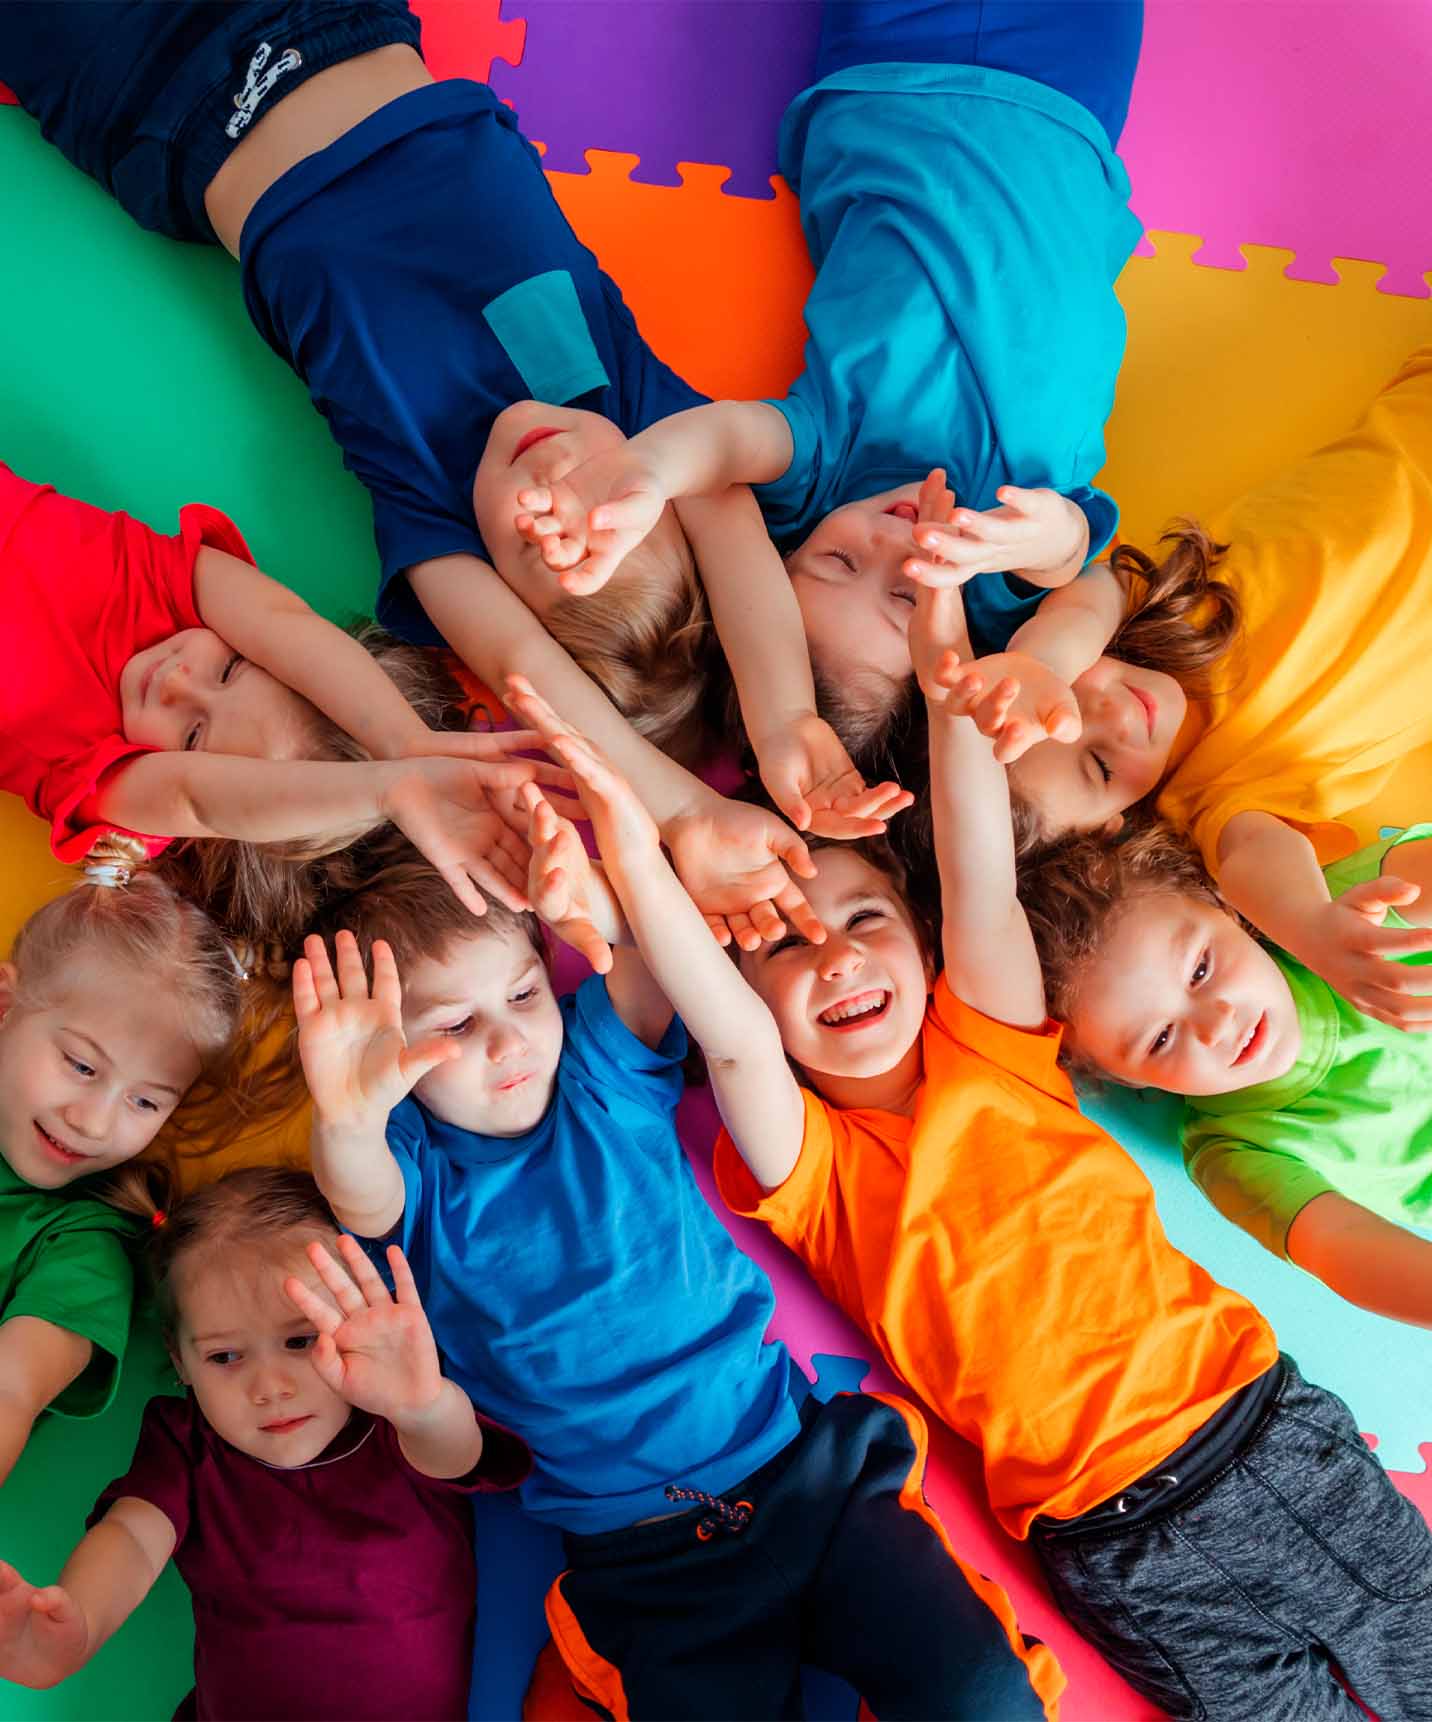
(1209, 1519)
(163, 687)
(311, 1489)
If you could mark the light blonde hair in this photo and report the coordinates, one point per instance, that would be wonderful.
(144, 928)
(647, 641)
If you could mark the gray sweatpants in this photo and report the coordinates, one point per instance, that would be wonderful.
(1300, 1558)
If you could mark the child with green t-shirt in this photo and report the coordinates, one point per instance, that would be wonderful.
(86, 1081)
(1309, 1114)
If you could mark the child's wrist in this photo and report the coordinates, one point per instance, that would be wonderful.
(415, 1421)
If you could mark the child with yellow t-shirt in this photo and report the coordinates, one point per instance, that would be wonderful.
(931, 1168)
(1249, 751)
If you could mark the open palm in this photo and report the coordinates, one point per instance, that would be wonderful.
(355, 1057)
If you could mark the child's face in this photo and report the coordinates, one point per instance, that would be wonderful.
(1131, 717)
(493, 996)
(854, 1006)
(1179, 997)
(532, 443)
(86, 1079)
(854, 599)
(244, 1349)
(192, 691)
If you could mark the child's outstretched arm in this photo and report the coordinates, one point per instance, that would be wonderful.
(1364, 1258)
(802, 761)
(738, 862)
(1269, 872)
(274, 628)
(378, 1353)
(38, 1361)
(358, 1066)
(48, 1632)
(989, 954)
(444, 806)
(589, 520)
(759, 1099)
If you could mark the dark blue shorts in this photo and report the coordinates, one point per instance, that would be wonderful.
(1088, 49)
(149, 96)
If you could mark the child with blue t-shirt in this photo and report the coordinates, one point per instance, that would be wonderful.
(402, 250)
(967, 218)
(524, 1150)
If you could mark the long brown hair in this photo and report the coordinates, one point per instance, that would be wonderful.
(1182, 619)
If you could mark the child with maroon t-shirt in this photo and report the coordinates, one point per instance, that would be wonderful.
(311, 1489)
(161, 686)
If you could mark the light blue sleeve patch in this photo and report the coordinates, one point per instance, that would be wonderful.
(542, 328)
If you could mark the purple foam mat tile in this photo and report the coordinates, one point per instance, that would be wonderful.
(666, 80)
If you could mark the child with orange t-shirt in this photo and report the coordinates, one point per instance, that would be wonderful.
(933, 1171)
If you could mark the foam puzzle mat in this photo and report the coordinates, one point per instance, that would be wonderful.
(1277, 155)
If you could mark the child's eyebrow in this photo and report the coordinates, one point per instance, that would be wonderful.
(103, 1057)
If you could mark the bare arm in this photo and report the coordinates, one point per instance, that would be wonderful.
(1269, 872)
(276, 630)
(989, 954)
(1364, 1258)
(759, 1099)
(47, 1633)
(704, 450)
(38, 1361)
(1073, 626)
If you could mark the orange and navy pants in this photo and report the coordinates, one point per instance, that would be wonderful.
(828, 1555)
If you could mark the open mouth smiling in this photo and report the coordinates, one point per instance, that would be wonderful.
(859, 1011)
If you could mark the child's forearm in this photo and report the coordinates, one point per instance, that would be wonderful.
(358, 1175)
(114, 1566)
(253, 800)
(990, 959)
(445, 1439)
(1067, 553)
(38, 1361)
(1364, 1258)
(1270, 873)
(754, 609)
(17, 1419)
(496, 635)
(275, 629)
(1073, 626)
(704, 450)
(758, 1097)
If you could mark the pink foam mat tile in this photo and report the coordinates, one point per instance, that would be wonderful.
(1301, 124)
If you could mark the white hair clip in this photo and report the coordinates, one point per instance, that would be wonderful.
(108, 873)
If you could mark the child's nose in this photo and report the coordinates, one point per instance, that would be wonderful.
(91, 1114)
(838, 958)
(174, 684)
(505, 1043)
(1213, 1021)
(270, 1382)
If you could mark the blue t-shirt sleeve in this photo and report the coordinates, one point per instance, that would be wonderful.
(611, 1056)
(793, 503)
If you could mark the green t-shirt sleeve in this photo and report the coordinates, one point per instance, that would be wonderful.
(1263, 1190)
(79, 1277)
(1366, 864)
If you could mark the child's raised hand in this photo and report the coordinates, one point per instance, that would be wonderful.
(589, 520)
(1017, 701)
(1346, 943)
(562, 882)
(450, 810)
(43, 1635)
(810, 777)
(1031, 532)
(375, 1351)
(733, 860)
(355, 1056)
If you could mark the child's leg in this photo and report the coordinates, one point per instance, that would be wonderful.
(711, 1614)
(1088, 50)
(896, 1612)
(150, 96)
(1300, 1560)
